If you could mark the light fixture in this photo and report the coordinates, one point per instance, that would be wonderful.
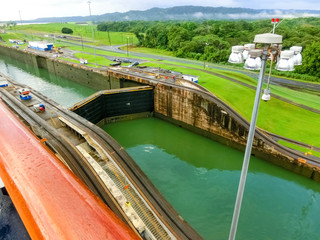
(247, 48)
(266, 95)
(236, 54)
(253, 61)
(297, 58)
(286, 61)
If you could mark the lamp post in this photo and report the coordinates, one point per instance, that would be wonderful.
(127, 46)
(256, 59)
(20, 17)
(265, 39)
(204, 55)
(94, 46)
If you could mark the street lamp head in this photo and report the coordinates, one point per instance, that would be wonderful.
(286, 61)
(268, 38)
(253, 61)
(236, 54)
(297, 58)
(247, 48)
(266, 95)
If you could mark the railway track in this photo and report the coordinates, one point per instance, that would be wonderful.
(61, 145)
(163, 211)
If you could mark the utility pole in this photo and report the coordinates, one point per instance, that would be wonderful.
(127, 46)
(20, 17)
(109, 38)
(94, 46)
(204, 55)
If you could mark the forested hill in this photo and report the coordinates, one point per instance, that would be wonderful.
(188, 13)
(212, 40)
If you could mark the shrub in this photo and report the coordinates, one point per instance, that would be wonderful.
(67, 30)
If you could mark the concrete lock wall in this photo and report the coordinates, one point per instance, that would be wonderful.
(200, 113)
(109, 105)
(196, 112)
(94, 78)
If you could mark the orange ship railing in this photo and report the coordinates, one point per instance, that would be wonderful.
(51, 201)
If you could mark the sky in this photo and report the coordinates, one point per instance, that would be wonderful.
(32, 9)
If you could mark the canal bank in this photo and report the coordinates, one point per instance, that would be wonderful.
(52, 86)
(190, 107)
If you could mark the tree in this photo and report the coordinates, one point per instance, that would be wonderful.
(67, 30)
(140, 38)
(311, 60)
(11, 24)
(176, 36)
(156, 36)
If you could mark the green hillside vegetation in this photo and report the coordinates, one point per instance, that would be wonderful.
(212, 40)
(182, 13)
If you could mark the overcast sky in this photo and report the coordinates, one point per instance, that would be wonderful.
(32, 9)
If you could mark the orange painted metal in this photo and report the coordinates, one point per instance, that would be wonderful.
(51, 201)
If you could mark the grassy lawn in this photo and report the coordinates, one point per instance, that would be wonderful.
(275, 116)
(155, 51)
(12, 35)
(91, 59)
(299, 148)
(101, 38)
(308, 99)
(77, 61)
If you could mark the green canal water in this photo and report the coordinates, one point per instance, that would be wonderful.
(61, 90)
(199, 177)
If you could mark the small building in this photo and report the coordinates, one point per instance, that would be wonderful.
(17, 41)
(191, 78)
(14, 40)
(41, 45)
(3, 82)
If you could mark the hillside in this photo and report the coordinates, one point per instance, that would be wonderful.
(188, 13)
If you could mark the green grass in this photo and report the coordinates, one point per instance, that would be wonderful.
(101, 38)
(91, 59)
(310, 100)
(299, 148)
(160, 52)
(304, 98)
(13, 35)
(77, 61)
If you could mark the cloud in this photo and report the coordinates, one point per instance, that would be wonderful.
(198, 15)
(32, 9)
